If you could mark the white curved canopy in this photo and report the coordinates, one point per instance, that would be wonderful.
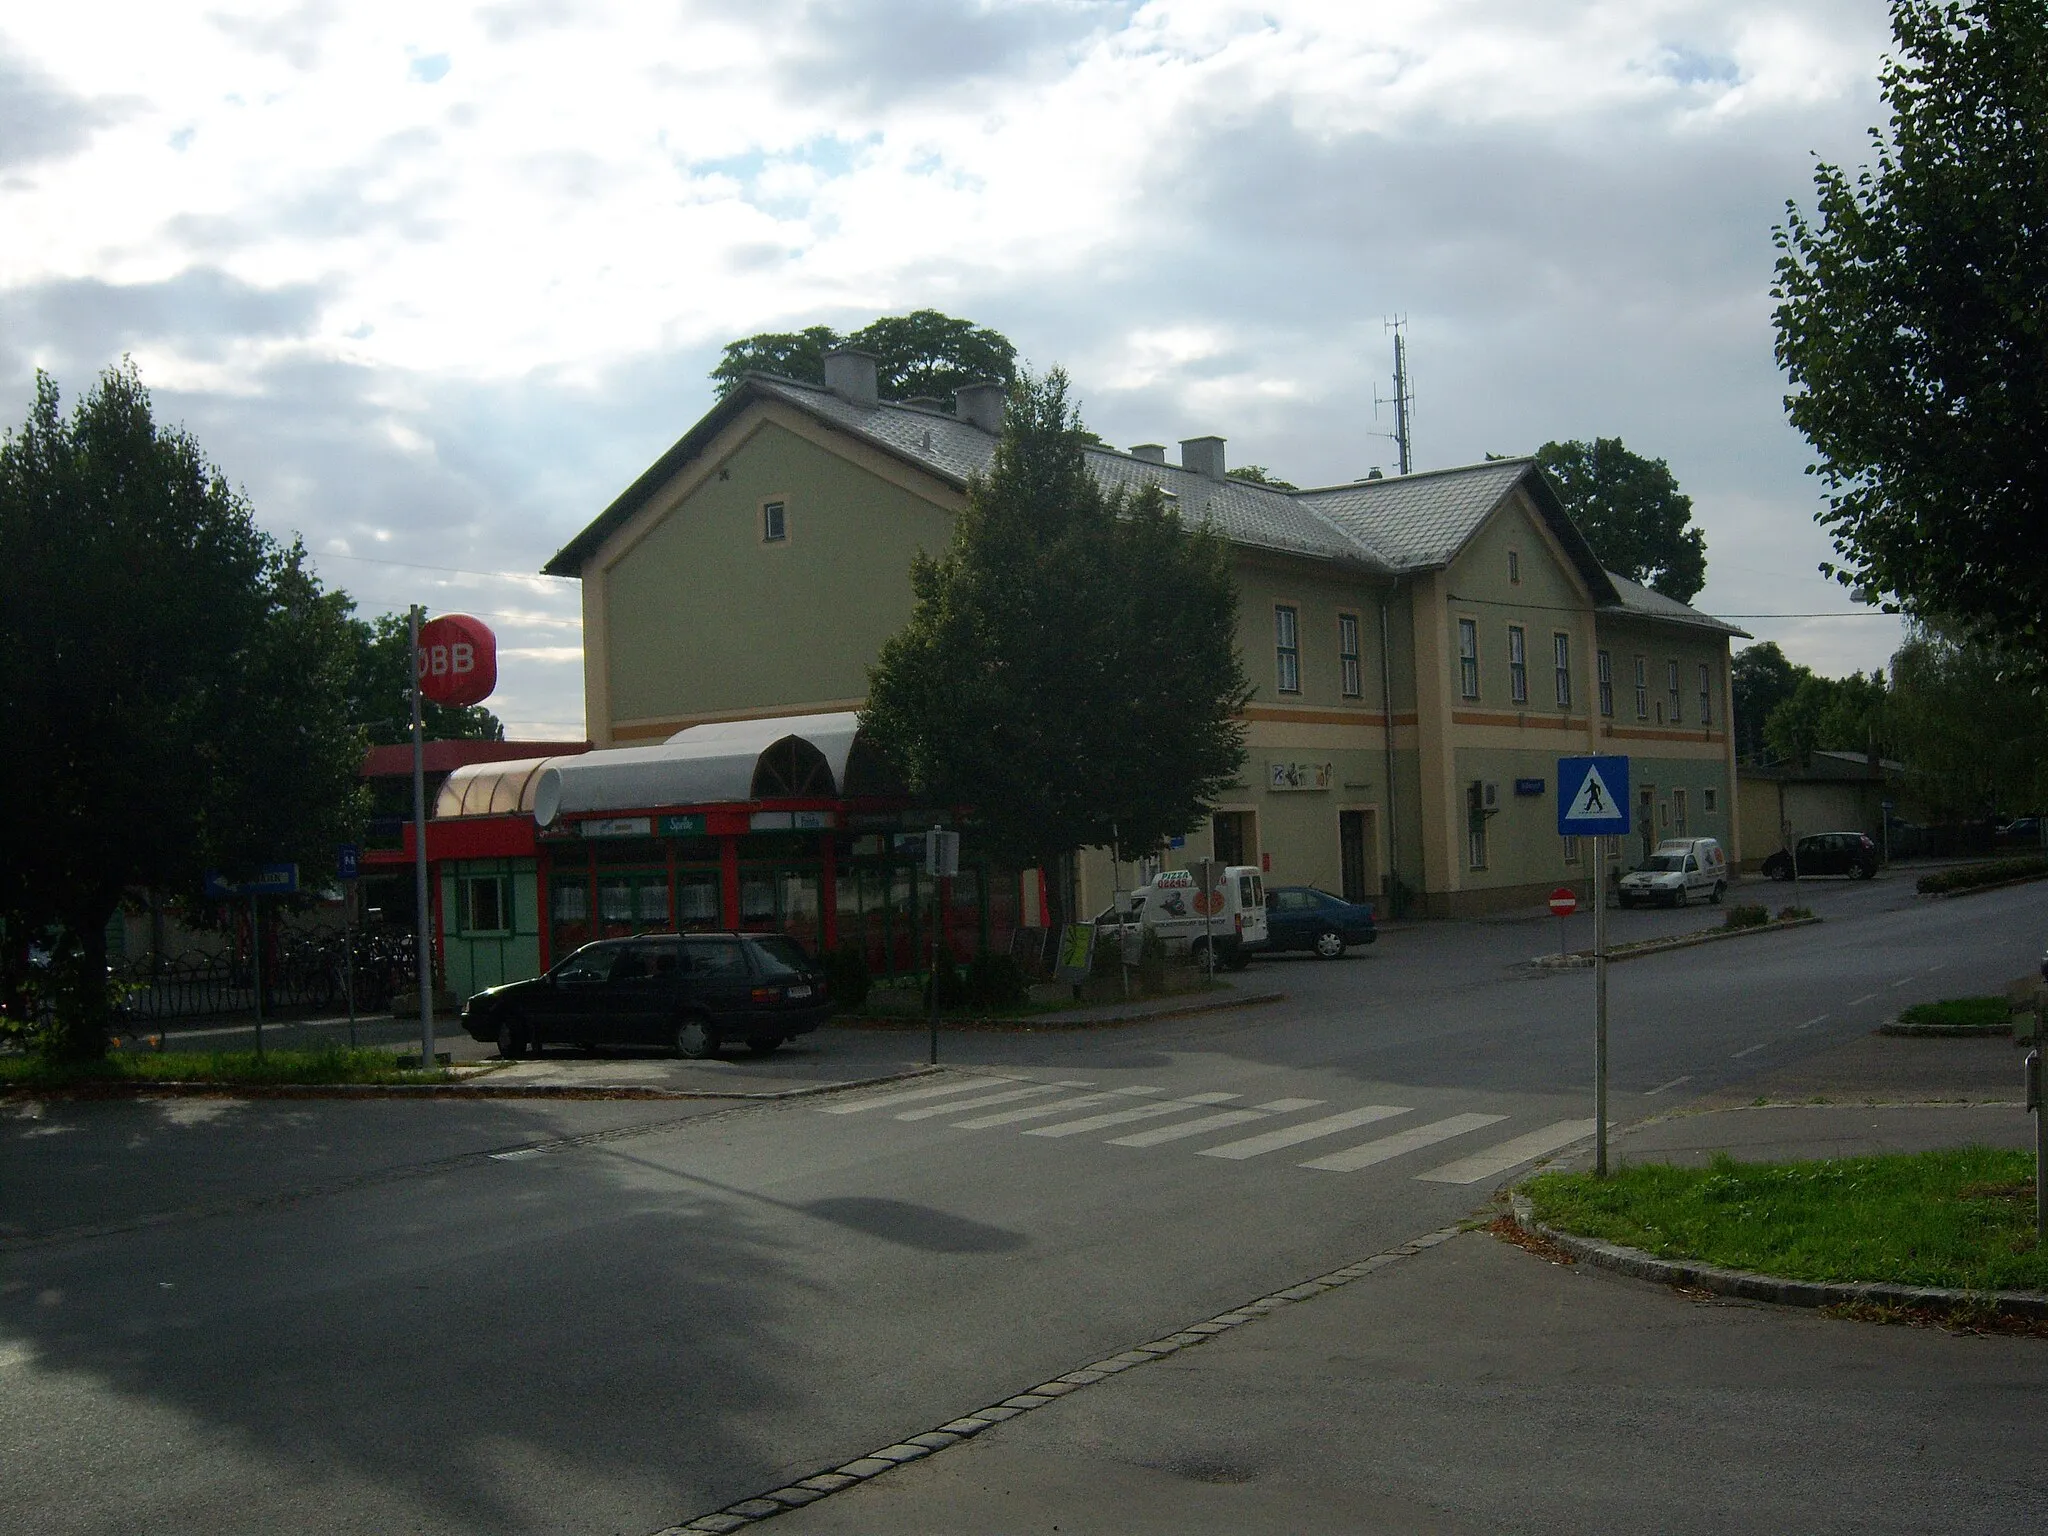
(704, 764)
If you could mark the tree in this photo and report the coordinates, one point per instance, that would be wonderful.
(173, 685)
(923, 353)
(1762, 678)
(1913, 325)
(380, 691)
(1069, 672)
(1631, 511)
(1976, 739)
(1258, 474)
(1829, 714)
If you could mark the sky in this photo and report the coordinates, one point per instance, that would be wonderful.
(433, 283)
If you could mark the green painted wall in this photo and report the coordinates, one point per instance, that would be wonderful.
(705, 617)
(476, 960)
(1546, 600)
(1317, 598)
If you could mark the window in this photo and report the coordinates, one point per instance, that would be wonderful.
(1561, 659)
(1515, 567)
(1518, 665)
(1671, 687)
(1605, 663)
(1642, 689)
(1571, 850)
(774, 522)
(1706, 695)
(1678, 809)
(1347, 655)
(1287, 648)
(1709, 801)
(1475, 824)
(483, 904)
(1468, 658)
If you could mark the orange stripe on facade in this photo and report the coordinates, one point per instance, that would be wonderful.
(1519, 722)
(1698, 738)
(1323, 716)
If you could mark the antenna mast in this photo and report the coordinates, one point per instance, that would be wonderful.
(1403, 401)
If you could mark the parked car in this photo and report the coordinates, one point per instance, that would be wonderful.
(1826, 853)
(2022, 832)
(1303, 917)
(1680, 869)
(691, 992)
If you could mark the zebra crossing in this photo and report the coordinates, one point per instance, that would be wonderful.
(1079, 1107)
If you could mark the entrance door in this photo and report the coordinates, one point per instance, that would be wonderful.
(1233, 836)
(1353, 842)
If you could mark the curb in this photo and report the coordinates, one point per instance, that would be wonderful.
(808, 1490)
(1978, 890)
(1747, 1285)
(1580, 959)
(1070, 1018)
(190, 1090)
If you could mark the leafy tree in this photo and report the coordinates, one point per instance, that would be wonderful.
(380, 691)
(1069, 672)
(921, 353)
(1913, 324)
(1258, 474)
(1762, 677)
(1829, 714)
(1631, 511)
(173, 685)
(1976, 739)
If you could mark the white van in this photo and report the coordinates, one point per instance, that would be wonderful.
(1680, 869)
(1174, 906)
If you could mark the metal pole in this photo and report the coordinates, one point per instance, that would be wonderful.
(1600, 1010)
(256, 962)
(1116, 900)
(931, 862)
(419, 866)
(348, 956)
(2040, 1142)
(1209, 921)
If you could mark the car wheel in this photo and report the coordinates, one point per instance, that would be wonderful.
(763, 1045)
(696, 1039)
(512, 1043)
(1678, 897)
(1329, 944)
(1720, 890)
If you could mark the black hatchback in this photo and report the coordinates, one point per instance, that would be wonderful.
(689, 992)
(1826, 853)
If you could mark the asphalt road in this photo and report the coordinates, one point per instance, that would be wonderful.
(227, 1317)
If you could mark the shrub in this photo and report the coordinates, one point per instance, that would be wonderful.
(847, 978)
(1968, 877)
(995, 981)
(1991, 1013)
(1753, 916)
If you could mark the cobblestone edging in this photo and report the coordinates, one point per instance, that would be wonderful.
(819, 1485)
(1750, 1286)
(1579, 960)
(136, 1089)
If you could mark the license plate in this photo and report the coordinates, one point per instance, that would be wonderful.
(798, 992)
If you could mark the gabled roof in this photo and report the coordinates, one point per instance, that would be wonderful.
(1387, 527)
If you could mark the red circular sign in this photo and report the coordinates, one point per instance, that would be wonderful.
(1562, 902)
(458, 660)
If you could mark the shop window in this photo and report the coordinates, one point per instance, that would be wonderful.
(1518, 665)
(1468, 658)
(697, 899)
(572, 903)
(757, 897)
(1287, 649)
(1347, 656)
(484, 904)
(615, 901)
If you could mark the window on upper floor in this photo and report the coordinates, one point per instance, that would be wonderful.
(1518, 665)
(1605, 664)
(1348, 662)
(1561, 666)
(1515, 567)
(774, 522)
(1671, 687)
(1642, 688)
(1287, 649)
(1706, 694)
(1468, 658)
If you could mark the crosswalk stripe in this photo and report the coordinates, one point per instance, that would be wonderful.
(1037, 1090)
(1126, 1116)
(889, 1100)
(1207, 1123)
(1402, 1142)
(1287, 1136)
(1500, 1158)
(1059, 1107)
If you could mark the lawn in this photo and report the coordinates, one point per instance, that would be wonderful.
(1962, 1218)
(1989, 1014)
(329, 1064)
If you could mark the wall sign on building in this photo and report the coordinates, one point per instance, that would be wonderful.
(688, 825)
(1528, 786)
(620, 826)
(1290, 776)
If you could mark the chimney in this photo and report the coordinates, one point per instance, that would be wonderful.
(1151, 453)
(850, 375)
(1203, 455)
(981, 405)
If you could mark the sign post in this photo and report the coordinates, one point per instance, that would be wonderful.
(941, 862)
(348, 864)
(270, 880)
(1563, 904)
(1593, 801)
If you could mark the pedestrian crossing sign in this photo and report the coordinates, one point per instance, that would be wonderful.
(1592, 796)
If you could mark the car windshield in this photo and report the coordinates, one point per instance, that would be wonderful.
(1663, 863)
(778, 955)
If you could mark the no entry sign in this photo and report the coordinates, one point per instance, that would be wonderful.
(1562, 902)
(458, 660)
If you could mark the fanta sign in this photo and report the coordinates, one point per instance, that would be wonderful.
(458, 660)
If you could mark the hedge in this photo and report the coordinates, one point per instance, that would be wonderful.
(1968, 877)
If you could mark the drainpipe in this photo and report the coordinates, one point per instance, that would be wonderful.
(1387, 711)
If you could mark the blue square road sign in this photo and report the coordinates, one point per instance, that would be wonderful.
(1592, 796)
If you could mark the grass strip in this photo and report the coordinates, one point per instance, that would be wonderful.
(1962, 1217)
(319, 1066)
(1986, 1013)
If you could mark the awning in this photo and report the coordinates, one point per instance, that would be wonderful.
(491, 789)
(791, 757)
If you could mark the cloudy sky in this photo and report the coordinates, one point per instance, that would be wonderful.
(434, 282)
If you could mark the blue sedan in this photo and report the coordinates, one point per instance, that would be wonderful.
(1302, 917)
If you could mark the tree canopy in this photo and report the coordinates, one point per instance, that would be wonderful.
(380, 691)
(173, 683)
(1976, 738)
(1631, 511)
(1913, 325)
(923, 353)
(1761, 677)
(1069, 672)
(1258, 474)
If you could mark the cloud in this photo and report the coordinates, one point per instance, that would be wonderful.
(41, 120)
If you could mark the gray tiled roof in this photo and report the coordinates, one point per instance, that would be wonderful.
(1419, 521)
(1639, 599)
